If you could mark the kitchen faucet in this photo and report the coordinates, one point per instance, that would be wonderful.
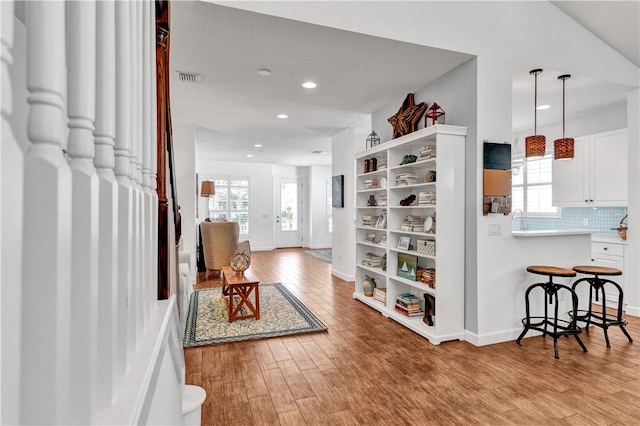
(513, 216)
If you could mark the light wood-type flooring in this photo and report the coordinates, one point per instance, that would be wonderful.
(369, 370)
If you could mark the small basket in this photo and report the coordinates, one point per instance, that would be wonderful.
(427, 247)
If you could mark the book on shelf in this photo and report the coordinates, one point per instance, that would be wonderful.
(369, 220)
(408, 313)
(380, 295)
(404, 179)
(372, 260)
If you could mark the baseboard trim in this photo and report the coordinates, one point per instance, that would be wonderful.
(634, 311)
(492, 338)
(343, 276)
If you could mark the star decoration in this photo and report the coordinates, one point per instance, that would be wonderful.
(408, 116)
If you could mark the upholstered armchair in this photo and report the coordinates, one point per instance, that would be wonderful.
(219, 243)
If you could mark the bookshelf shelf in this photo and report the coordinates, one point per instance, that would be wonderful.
(413, 245)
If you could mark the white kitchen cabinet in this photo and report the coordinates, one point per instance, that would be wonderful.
(596, 176)
(610, 255)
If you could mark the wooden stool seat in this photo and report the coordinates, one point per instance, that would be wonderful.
(551, 271)
(550, 324)
(600, 287)
(597, 270)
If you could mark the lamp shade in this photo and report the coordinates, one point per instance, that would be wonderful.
(207, 188)
(535, 146)
(563, 149)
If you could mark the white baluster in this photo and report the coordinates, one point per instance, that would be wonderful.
(108, 230)
(123, 173)
(46, 271)
(11, 172)
(81, 64)
(132, 329)
(140, 143)
(148, 71)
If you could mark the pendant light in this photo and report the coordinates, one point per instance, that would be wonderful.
(563, 149)
(535, 146)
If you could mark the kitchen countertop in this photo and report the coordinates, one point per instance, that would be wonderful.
(552, 232)
(609, 240)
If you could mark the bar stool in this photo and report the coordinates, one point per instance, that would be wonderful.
(559, 327)
(597, 285)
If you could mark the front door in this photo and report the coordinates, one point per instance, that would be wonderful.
(288, 212)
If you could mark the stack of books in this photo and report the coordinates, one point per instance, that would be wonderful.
(404, 179)
(380, 295)
(368, 220)
(426, 198)
(371, 183)
(382, 200)
(413, 223)
(409, 305)
(372, 260)
(427, 152)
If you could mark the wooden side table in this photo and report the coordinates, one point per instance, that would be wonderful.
(236, 284)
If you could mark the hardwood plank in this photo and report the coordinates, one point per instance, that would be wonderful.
(369, 370)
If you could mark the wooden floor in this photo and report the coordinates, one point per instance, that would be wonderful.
(368, 370)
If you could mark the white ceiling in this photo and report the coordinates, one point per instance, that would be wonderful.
(234, 107)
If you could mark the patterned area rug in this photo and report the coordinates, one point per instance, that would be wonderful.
(281, 314)
(324, 255)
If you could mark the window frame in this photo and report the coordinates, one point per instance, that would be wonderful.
(228, 213)
(524, 166)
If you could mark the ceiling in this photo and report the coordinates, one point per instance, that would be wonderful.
(233, 107)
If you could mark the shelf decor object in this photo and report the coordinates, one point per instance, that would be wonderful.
(434, 115)
(406, 120)
(372, 140)
(563, 149)
(535, 145)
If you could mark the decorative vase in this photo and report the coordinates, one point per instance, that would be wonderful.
(368, 285)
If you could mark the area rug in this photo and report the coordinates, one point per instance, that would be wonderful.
(323, 254)
(281, 314)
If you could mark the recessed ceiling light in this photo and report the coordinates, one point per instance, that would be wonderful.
(282, 116)
(309, 85)
(543, 106)
(258, 145)
(264, 71)
(249, 155)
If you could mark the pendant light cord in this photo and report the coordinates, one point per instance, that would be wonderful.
(535, 105)
(564, 78)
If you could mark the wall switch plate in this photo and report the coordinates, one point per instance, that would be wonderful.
(494, 229)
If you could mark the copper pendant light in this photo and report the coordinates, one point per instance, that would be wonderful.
(535, 146)
(563, 149)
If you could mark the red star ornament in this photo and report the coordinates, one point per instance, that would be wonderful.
(408, 116)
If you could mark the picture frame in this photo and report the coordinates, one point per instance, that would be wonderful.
(337, 191)
(381, 223)
(403, 243)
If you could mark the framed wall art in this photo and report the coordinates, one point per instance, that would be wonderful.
(337, 191)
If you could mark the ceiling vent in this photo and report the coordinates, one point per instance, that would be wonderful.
(189, 77)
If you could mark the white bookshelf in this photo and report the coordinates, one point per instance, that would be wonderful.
(448, 161)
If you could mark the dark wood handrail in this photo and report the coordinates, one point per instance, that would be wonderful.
(165, 149)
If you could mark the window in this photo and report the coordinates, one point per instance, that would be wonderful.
(531, 186)
(231, 201)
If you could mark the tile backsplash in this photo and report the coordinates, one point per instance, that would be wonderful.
(601, 218)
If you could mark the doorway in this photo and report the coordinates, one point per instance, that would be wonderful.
(288, 212)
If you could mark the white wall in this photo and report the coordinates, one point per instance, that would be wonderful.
(319, 237)
(260, 193)
(612, 117)
(185, 161)
(503, 36)
(343, 239)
